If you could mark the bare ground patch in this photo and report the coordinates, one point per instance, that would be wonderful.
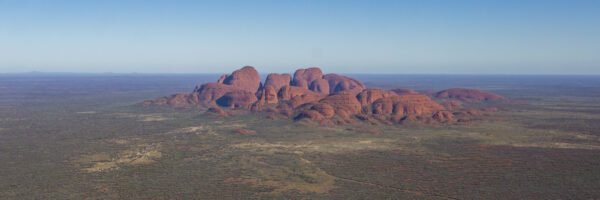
(144, 117)
(559, 145)
(152, 118)
(138, 155)
(202, 129)
(332, 146)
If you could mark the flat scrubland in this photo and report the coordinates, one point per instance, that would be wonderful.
(58, 141)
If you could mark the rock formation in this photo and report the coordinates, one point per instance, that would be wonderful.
(304, 77)
(403, 91)
(339, 83)
(217, 111)
(237, 99)
(246, 79)
(277, 81)
(468, 95)
(452, 104)
(324, 98)
(176, 100)
(368, 96)
(443, 116)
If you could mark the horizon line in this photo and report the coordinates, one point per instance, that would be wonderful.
(217, 73)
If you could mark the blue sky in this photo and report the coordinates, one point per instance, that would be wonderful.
(445, 36)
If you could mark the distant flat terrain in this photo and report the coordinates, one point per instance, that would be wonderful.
(86, 137)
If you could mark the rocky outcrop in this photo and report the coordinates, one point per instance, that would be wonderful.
(304, 77)
(210, 92)
(277, 81)
(327, 110)
(180, 100)
(443, 116)
(468, 95)
(246, 79)
(326, 99)
(452, 104)
(339, 83)
(405, 107)
(269, 95)
(289, 92)
(296, 96)
(343, 106)
(368, 96)
(311, 115)
(222, 79)
(343, 101)
(403, 91)
(217, 111)
(320, 86)
(237, 99)
(414, 104)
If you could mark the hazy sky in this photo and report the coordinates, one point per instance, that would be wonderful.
(446, 36)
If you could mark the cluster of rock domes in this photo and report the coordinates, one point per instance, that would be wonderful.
(324, 98)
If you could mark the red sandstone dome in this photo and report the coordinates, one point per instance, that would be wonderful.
(323, 98)
(246, 78)
(339, 83)
(304, 77)
(277, 81)
(368, 96)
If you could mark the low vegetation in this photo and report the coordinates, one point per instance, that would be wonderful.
(536, 147)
